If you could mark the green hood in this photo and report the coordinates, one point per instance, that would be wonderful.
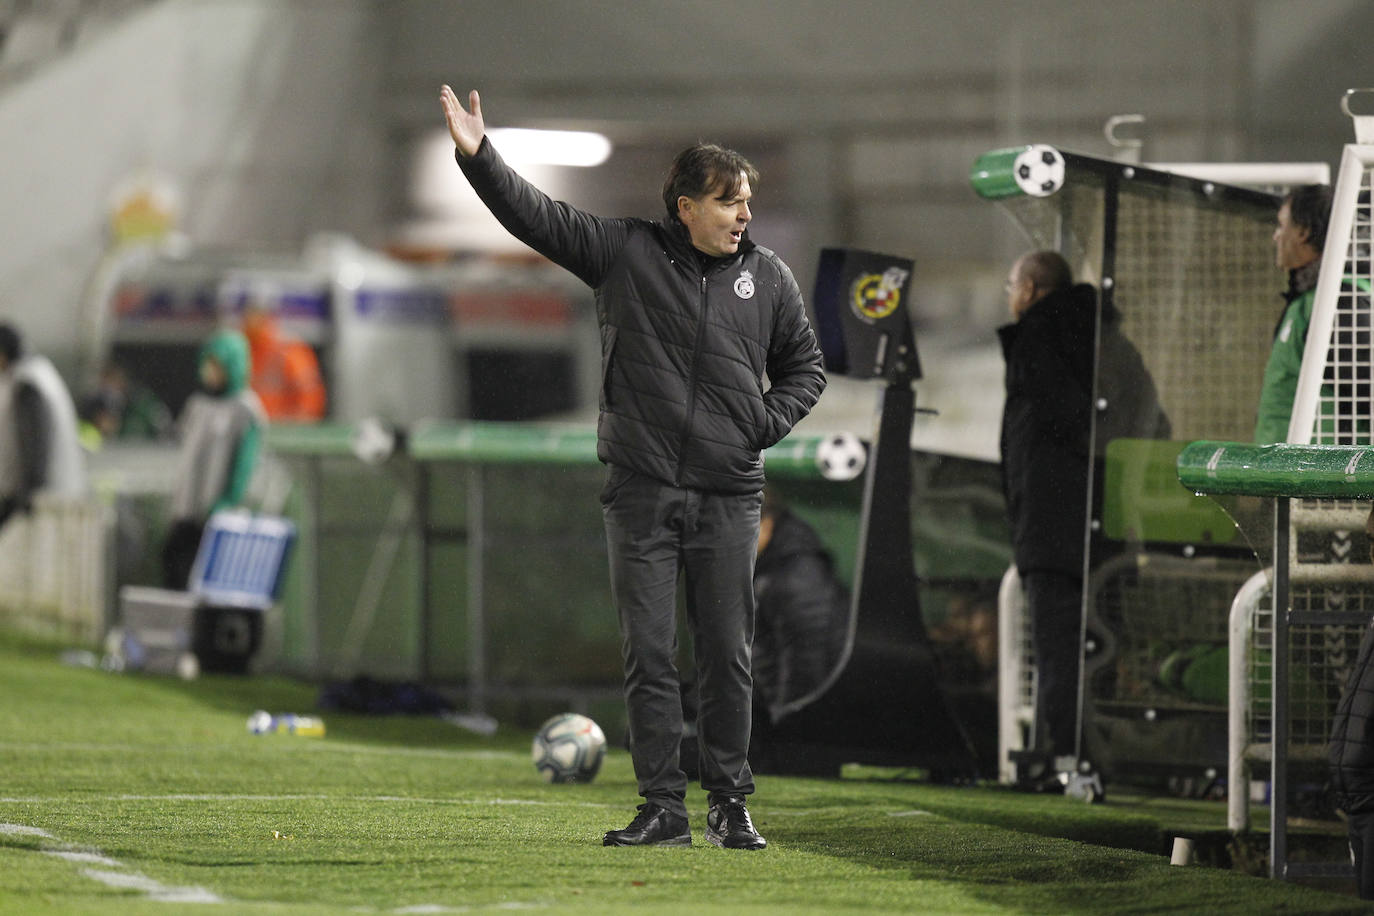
(230, 350)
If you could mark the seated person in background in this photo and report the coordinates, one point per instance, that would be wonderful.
(39, 448)
(220, 428)
(803, 609)
(119, 408)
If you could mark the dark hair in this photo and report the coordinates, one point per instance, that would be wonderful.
(704, 168)
(1309, 207)
(11, 344)
(1047, 270)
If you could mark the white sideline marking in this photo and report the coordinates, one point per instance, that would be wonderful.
(209, 797)
(914, 813)
(24, 830)
(155, 890)
(314, 746)
(441, 908)
(124, 880)
(87, 858)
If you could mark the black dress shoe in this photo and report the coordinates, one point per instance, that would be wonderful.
(728, 826)
(654, 825)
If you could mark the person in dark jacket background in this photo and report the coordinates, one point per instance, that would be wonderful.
(1047, 452)
(1351, 753)
(693, 315)
(803, 609)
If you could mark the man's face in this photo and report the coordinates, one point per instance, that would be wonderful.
(212, 375)
(1291, 249)
(1020, 291)
(716, 223)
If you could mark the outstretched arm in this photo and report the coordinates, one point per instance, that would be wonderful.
(466, 127)
(580, 242)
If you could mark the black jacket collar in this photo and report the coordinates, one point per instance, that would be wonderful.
(678, 243)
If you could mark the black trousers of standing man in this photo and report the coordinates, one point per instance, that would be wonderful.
(1054, 602)
(656, 534)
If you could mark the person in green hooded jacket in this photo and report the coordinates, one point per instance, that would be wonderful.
(220, 430)
(1299, 237)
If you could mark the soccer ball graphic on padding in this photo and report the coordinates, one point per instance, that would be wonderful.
(841, 457)
(569, 748)
(1039, 170)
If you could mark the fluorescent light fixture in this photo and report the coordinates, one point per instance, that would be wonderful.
(526, 146)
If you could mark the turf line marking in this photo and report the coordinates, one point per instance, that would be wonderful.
(24, 830)
(319, 746)
(230, 798)
(914, 813)
(155, 890)
(87, 858)
(122, 880)
(441, 908)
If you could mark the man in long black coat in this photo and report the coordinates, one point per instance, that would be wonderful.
(1046, 455)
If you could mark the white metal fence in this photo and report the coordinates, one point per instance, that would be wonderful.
(56, 568)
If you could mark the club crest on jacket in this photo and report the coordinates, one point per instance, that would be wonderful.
(744, 285)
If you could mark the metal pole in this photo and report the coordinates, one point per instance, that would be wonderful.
(1278, 766)
(1106, 296)
(422, 533)
(477, 537)
(310, 601)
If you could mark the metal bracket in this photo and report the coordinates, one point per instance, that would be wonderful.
(1127, 148)
(1364, 123)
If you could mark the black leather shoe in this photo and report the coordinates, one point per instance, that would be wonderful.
(654, 825)
(729, 827)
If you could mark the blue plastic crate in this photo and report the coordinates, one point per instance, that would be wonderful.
(242, 560)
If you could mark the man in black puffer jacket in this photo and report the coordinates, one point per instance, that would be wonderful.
(1352, 754)
(692, 315)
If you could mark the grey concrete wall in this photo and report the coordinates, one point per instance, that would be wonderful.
(260, 114)
(275, 120)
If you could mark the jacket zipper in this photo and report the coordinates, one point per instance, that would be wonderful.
(692, 386)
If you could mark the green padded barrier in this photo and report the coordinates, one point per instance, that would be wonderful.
(1299, 471)
(993, 174)
(525, 443)
(311, 439)
(504, 443)
(512, 443)
(1143, 501)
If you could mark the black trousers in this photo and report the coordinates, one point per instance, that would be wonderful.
(1054, 603)
(1360, 829)
(179, 553)
(657, 534)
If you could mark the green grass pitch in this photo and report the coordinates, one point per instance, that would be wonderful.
(134, 794)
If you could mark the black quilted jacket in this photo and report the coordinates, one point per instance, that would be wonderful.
(1045, 425)
(1352, 734)
(685, 340)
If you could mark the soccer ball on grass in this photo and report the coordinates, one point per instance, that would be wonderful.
(569, 748)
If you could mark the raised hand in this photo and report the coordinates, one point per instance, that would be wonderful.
(466, 128)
